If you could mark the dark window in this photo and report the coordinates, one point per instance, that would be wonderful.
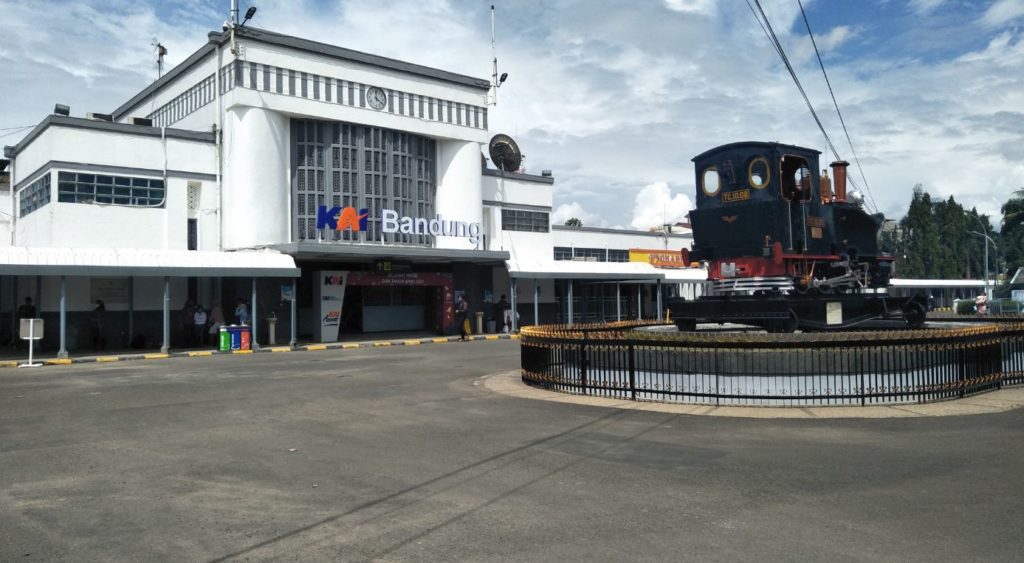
(526, 221)
(193, 234)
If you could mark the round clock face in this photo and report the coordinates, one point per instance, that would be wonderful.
(376, 97)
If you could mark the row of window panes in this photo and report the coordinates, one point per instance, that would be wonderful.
(528, 221)
(595, 254)
(36, 195)
(75, 187)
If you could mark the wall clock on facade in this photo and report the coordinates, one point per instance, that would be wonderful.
(376, 97)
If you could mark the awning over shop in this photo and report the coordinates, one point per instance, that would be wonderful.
(144, 262)
(580, 270)
(368, 252)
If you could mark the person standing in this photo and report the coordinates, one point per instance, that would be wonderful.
(216, 321)
(462, 318)
(96, 323)
(241, 312)
(199, 318)
(185, 320)
(502, 310)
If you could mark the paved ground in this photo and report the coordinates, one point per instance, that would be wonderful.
(405, 453)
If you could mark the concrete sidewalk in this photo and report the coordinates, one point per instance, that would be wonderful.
(48, 358)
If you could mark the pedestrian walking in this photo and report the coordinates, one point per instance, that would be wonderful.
(199, 320)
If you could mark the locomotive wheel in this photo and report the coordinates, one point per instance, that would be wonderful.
(784, 326)
(915, 314)
(789, 325)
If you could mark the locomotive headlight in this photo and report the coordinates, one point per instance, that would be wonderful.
(856, 198)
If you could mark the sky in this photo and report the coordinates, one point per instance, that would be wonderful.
(616, 97)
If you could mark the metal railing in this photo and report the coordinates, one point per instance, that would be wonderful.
(844, 368)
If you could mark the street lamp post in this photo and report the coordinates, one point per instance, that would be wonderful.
(984, 230)
(988, 239)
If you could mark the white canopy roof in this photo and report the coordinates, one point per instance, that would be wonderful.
(611, 271)
(143, 262)
(895, 282)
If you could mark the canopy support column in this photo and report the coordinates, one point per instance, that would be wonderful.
(63, 352)
(569, 283)
(659, 315)
(536, 298)
(166, 347)
(514, 308)
(618, 301)
(294, 340)
(639, 302)
(253, 317)
(131, 309)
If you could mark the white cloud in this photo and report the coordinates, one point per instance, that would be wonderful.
(922, 7)
(655, 206)
(567, 211)
(691, 6)
(1003, 12)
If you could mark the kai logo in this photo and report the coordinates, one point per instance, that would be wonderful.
(341, 218)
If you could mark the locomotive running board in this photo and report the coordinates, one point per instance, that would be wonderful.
(785, 313)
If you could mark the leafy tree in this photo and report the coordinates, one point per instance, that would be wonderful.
(1012, 233)
(921, 238)
(573, 222)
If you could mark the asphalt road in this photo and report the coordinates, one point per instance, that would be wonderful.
(401, 454)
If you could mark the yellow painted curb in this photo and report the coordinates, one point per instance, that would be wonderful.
(316, 347)
(156, 356)
(241, 351)
(412, 342)
(193, 354)
(491, 337)
(281, 349)
(58, 362)
(439, 340)
(376, 344)
(107, 359)
(514, 336)
(9, 364)
(349, 346)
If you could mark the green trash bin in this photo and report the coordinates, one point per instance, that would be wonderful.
(224, 339)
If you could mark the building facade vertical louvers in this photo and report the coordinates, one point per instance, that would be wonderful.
(338, 164)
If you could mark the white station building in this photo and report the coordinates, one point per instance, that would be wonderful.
(334, 190)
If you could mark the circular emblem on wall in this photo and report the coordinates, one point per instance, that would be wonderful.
(376, 97)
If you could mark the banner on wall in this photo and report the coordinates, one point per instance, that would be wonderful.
(331, 295)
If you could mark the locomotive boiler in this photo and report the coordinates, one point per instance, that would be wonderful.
(785, 247)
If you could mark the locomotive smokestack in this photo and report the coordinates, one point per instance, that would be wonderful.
(839, 178)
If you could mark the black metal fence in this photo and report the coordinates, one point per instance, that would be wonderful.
(847, 368)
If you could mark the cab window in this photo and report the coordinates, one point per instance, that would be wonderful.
(710, 182)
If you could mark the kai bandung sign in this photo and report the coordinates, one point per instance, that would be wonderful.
(348, 218)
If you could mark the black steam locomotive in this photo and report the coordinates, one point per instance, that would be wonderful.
(783, 247)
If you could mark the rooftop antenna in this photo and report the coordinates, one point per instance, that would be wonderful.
(161, 52)
(496, 80)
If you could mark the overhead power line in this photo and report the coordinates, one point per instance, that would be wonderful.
(766, 26)
(867, 189)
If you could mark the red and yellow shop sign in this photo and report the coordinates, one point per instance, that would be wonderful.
(657, 258)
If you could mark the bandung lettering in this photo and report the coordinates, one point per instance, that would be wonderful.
(341, 218)
(438, 226)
